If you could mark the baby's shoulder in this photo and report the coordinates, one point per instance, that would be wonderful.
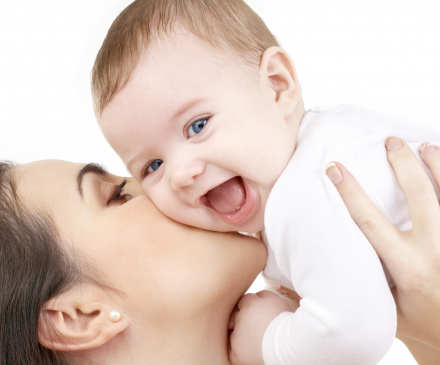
(350, 122)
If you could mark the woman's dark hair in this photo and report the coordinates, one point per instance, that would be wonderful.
(33, 269)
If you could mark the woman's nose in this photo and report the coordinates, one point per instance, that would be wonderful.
(184, 174)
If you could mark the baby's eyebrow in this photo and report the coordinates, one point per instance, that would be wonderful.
(185, 107)
(90, 167)
(133, 161)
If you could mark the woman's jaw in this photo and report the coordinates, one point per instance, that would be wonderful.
(177, 285)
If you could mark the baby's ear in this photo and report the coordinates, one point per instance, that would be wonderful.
(80, 319)
(278, 72)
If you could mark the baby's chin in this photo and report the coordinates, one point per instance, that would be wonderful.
(253, 227)
(249, 228)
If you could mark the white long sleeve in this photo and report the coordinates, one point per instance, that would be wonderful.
(347, 315)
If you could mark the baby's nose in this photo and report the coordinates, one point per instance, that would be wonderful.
(184, 174)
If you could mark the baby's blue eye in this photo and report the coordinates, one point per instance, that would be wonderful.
(154, 165)
(197, 127)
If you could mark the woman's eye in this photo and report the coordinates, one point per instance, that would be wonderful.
(196, 127)
(154, 166)
(117, 196)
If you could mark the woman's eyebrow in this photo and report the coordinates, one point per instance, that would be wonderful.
(90, 167)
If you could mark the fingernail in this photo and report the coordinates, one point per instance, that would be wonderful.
(281, 291)
(393, 143)
(333, 173)
(426, 148)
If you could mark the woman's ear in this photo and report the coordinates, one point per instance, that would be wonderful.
(82, 318)
(278, 72)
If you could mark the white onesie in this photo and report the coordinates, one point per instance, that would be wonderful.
(347, 315)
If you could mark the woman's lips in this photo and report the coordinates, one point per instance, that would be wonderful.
(232, 201)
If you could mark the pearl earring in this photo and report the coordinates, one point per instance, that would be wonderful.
(115, 316)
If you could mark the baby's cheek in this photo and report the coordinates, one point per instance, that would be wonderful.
(169, 205)
(145, 191)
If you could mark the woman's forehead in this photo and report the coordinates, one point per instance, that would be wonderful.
(42, 182)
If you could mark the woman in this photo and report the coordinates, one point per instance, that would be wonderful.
(117, 281)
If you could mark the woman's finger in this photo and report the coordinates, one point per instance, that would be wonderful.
(291, 294)
(431, 156)
(379, 231)
(420, 194)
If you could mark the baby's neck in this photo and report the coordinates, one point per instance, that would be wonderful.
(297, 117)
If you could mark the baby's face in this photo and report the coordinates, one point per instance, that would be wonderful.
(203, 137)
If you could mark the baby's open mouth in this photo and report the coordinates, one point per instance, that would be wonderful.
(228, 197)
(233, 201)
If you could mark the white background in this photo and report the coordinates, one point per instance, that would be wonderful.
(381, 54)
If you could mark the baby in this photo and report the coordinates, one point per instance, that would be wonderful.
(205, 110)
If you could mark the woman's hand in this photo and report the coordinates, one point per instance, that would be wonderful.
(412, 258)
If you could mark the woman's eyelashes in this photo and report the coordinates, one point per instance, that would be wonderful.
(196, 127)
(117, 196)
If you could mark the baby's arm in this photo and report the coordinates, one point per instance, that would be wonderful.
(347, 315)
(255, 312)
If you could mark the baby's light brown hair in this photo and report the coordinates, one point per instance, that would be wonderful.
(229, 25)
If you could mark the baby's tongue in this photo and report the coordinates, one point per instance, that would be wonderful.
(229, 196)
